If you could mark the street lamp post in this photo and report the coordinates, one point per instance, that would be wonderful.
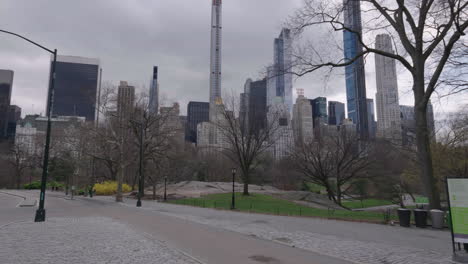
(40, 213)
(233, 201)
(165, 188)
(141, 189)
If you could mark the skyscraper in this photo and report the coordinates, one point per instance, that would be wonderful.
(14, 116)
(388, 106)
(125, 100)
(257, 105)
(319, 110)
(355, 76)
(408, 123)
(154, 92)
(76, 85)
(215, 63)
(6, 84)
(280, 78)
(371, 118)
(336, 113)
(197, 112)
(302, 123)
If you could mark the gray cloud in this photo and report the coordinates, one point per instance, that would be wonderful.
(129, 37)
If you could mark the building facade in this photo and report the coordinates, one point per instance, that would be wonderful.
(6, 84)
(283, 140)
(355, 74)
(76, 85)
(388, 106)
(153, 103)
(257, 108)
(215, 56)
(125, 100)
(319, 110)
(371, 118)
(302, 122)
(279, 75)
(14, 116)
(408, 124)
(197, 112)
(336, 113)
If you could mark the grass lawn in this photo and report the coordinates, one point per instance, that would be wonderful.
(355, 204)
(261, 203)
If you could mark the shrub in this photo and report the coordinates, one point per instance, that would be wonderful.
(109, 188)
(33, 185)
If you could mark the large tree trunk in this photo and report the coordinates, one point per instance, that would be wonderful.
(120, 174)
(425, 156)
(246, 178)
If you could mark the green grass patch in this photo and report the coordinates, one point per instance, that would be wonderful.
(260, 203)
(365, 203)
(312, 187)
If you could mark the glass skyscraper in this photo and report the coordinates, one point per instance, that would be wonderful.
(154, 92)
(355, 75)
(197, 112)
(76, 85)
(336, 113)
(319, 110)
(6, 83)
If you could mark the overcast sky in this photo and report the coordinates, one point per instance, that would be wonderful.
(130, 36)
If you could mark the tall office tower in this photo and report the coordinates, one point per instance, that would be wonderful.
(279, 76)
(355, 75)
(302, 122)
(388, 106)
(336, 113)
(76, 85)
(215, 64)
(283, 134)
(125, 100)
(14, 116)
(6, 84)
(154, 92)
(197, 112)
(319, 110)
(257, 108)
(408, 123)
(371, 118)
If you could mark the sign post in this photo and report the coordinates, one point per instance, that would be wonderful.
(457, 192)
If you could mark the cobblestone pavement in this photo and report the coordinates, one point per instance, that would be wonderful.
(82, 240)
(356, 242)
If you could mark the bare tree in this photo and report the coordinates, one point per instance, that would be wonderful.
(20, 160)
(334, 162)
(426, 33)
(245, 138)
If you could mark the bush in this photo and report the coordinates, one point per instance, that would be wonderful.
(109, 188)
(33, 185)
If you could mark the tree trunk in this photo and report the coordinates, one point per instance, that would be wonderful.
(425, 156)
(18, 179)
(154, 189)
(118, 195)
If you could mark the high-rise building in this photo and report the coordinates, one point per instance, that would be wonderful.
(125, 100)
(215, 63)
(319, 110)
(6, 84)
(279, 75)
(336, 113)
(257, 105)
(371, 118)
(408, 123)
(14, 116)
(197, 112)
(154, 92)
(302, 122)
(355, 75)
(283, 135)
(76, 85)
(388, 106)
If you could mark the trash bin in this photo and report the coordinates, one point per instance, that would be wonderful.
(420, 217)
(404, 216)
(437, 217)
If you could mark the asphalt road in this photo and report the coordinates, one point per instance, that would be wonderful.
(206, 243)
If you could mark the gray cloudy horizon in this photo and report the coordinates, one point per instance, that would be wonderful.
(130, 37)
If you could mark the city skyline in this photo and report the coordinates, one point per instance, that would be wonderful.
(191, 60)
